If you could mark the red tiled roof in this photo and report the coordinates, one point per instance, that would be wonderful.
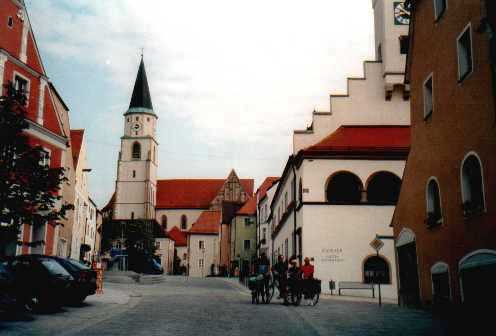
(249, 208)
(369, 139)
(76, 142)
(207, 223)
(192, 193)
(266, 185)
(178, 236)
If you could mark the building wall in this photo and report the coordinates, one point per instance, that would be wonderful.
(174, 217)
(338, 237)
(165, 251)
(81, 204)
(209, 254)
(462, 121)
(264, 223)
(240, 232)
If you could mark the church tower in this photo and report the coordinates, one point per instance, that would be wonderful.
(136, 183)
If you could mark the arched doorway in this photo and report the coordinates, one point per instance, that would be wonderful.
(478, 278)
(406, 249)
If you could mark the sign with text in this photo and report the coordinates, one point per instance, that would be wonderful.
(332, 255)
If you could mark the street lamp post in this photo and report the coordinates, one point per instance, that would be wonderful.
(377, 244)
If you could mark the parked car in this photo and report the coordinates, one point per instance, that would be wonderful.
(85, 279)
(43, 279)
(8, 292)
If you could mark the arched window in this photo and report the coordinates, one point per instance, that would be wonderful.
(433, 199)
(344, 188)
(472, 186)
(300, 191)
(184, 222)
(383, 188)
(136, 151)
(376, 270)
(164, 222)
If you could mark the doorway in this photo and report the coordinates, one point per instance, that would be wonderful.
(409, 291)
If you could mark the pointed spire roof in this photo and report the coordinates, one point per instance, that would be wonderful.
(141, 100)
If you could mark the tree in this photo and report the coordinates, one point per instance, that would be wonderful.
(29, 188)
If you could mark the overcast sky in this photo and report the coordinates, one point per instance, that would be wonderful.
(230, 80)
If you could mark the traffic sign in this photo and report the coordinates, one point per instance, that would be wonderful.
(377, 244)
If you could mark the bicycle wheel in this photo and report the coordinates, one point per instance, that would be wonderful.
(315, 299)
(269, 293)
(295, 298)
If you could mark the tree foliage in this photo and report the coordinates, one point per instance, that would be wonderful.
(29, 188)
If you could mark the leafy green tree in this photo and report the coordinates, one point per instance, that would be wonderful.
(29, 188)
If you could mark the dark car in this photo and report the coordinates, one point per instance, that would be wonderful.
(43, 279)
(85, 279)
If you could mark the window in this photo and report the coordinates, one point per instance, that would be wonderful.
(376, 270)
(428, 97)
(128, 119)
(434, 214)
(200, 263)
(344, 188)
(147, 118)
(248, 221)
(21, 84)
(286, 200)
(201, 244)
(404, 44)
(247, 244)
(439, 8)
(383, 188)
(134, 173)
(300, 191)
(136, 151)
(464, 48)
(379, 53)
(164, 222)
(472, 186)
(137, 118)
(264, 234)
(184, 222)
(286, 249)
(132, 215)
(45, 157)
(10, 22)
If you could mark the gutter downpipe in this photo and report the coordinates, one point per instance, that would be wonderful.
(294, 213)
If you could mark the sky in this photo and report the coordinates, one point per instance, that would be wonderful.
(230, 80)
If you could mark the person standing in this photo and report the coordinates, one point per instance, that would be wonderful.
(307, 270)
(280, 271)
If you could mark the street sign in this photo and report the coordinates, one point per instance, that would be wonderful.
(377, 244)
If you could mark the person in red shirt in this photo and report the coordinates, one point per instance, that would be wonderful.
(307, 269)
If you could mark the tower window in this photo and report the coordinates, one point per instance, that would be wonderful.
(10, 22)
(439, 8)
(428, 97)
(137, 118)
(136, 155)
(147, 118)
(128, 119)
(164, 222)
(134, 173)
(404, 44)
(464, 47)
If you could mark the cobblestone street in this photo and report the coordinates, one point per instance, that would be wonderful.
(182, 306)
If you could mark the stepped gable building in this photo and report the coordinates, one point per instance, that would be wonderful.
(445, 221)
(21, 64)
(340, 186)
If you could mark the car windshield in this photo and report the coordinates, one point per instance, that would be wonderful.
(76, 264)
(53, 267)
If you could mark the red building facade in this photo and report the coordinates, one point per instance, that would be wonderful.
(445, 220)
(21, 64)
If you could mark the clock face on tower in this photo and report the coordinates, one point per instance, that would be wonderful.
(135, 127)
(401, 13)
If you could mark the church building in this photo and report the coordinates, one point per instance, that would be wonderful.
(173, 211)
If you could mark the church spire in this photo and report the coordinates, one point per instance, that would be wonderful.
(141, 99)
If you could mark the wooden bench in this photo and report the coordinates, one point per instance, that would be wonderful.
(355, 285)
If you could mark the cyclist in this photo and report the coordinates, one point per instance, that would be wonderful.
(307, 271)
(294, 275)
